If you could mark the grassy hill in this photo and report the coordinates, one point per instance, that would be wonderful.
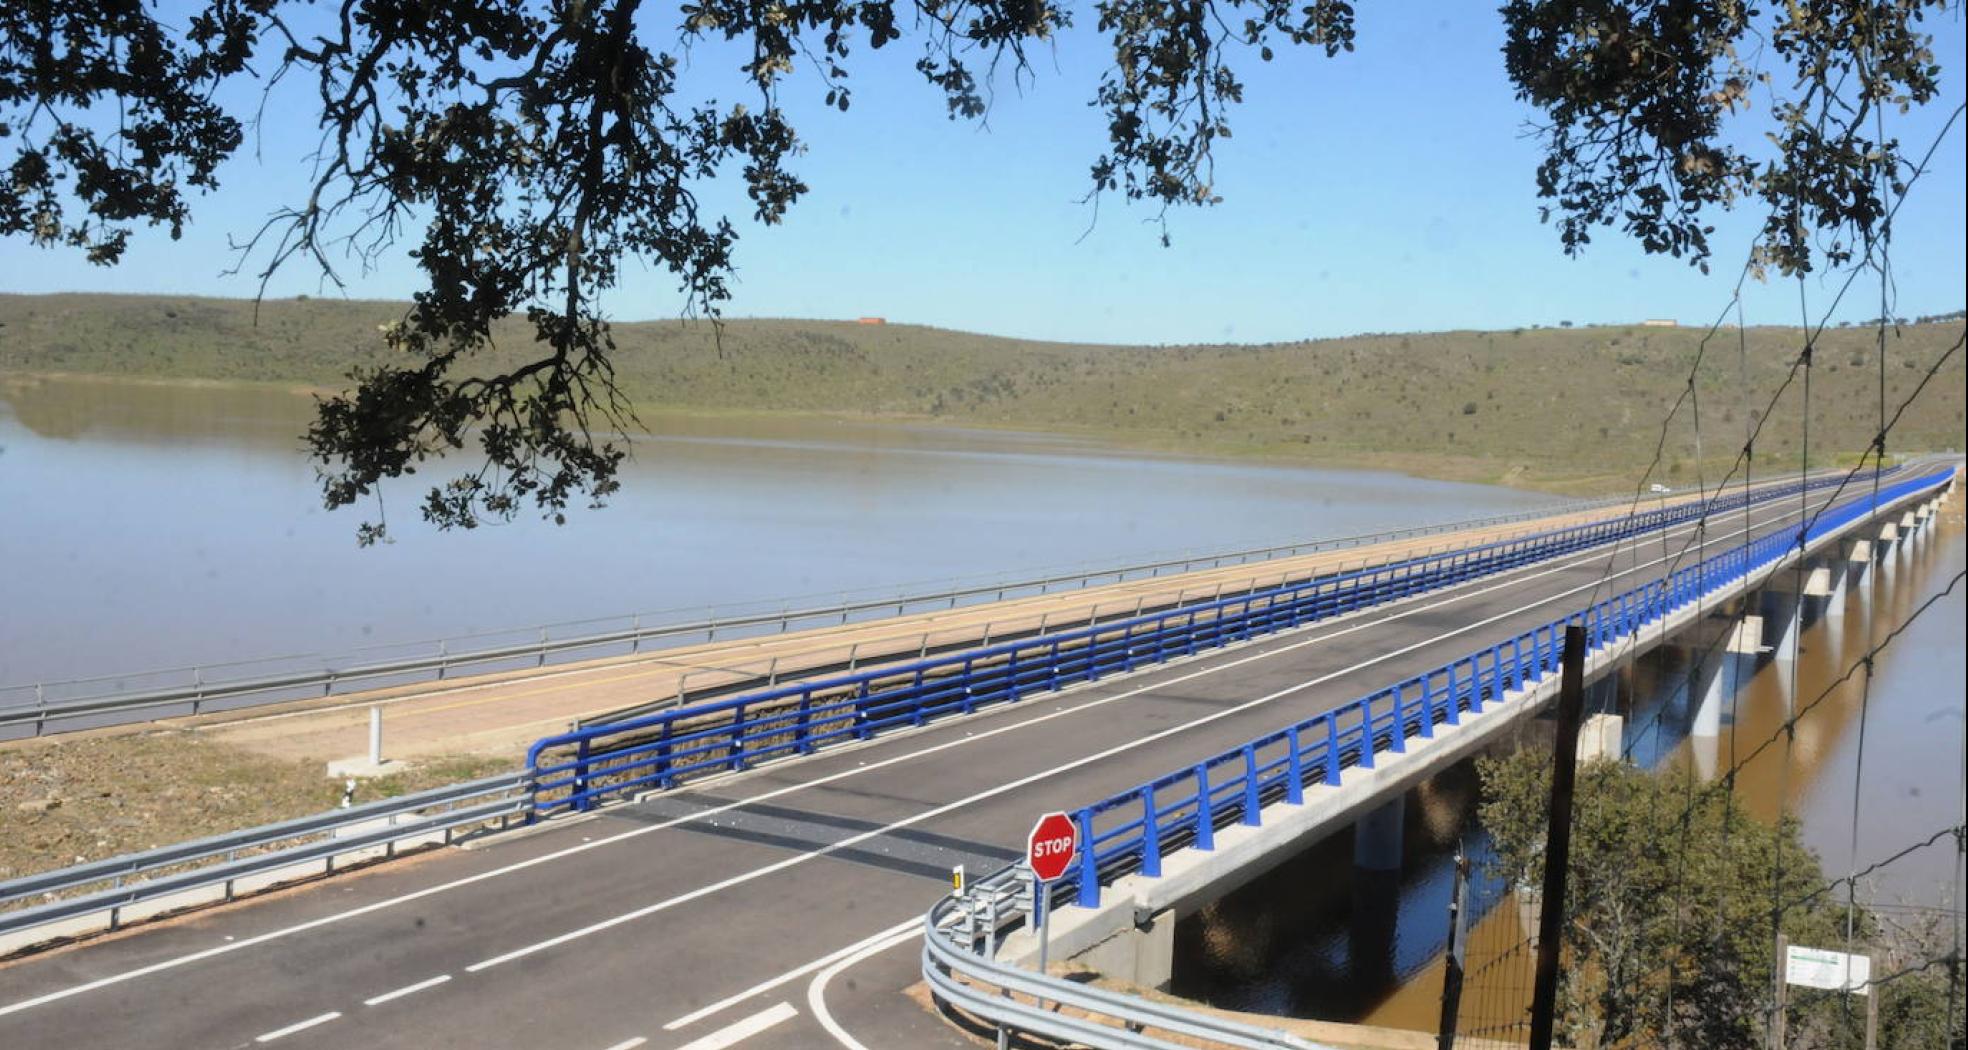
(1568, 409)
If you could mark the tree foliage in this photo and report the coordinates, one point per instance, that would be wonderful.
(530, 149)
(1673, 898)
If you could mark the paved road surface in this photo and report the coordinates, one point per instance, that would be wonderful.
(720, 915)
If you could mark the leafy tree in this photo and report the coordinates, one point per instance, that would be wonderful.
(1668, 915)
(532, 148)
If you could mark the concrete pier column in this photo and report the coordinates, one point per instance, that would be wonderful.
(1839, 572)
(1788, 625)
(1372, 929)
(1602, 736)
(1734, 663)
(1143, 954)
(1377, 837)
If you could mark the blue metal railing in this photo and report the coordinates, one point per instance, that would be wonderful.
(1133, 831)
(658, 750)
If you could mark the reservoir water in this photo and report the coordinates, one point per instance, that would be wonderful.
(149, 525)
(1317, 938)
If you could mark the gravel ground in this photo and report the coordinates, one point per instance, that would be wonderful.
(68, 800)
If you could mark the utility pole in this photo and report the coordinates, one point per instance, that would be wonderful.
(1453, 958)
(1558, 840)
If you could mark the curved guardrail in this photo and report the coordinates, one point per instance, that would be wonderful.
(155, 877)
(959, 940)
(577, 769)
(1130, 832)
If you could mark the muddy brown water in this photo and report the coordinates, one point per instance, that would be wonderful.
(1315, 939)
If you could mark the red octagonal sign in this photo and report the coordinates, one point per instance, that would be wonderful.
(1055, 840)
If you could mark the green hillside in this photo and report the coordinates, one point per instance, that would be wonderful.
(1556, 408)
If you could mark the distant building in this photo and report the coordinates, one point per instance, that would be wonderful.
(871, 320)
(1660, 322)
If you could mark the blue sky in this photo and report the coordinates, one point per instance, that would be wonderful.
(1386, 190)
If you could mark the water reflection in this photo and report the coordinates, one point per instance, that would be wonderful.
(1318, 938)
(159, 525)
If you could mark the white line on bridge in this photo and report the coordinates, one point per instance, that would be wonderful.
(816, 991)
(1452, 596)
(1026, 781)
(298, 1026)
(629, 1044)
(790, 975)
(407, 990)
(737, 1032)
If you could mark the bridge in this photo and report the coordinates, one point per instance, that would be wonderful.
(771, 868)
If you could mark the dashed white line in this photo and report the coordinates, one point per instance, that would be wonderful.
(411, 989)
(629, 1044)
(790, 975)
(1026, 781)
(1450, 596)
(298, 1026)
(738, 1031)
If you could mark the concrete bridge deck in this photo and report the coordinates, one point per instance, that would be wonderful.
(501, 714)
(774, 908)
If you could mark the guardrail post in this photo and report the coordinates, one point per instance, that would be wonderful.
(1332, 749)
(1205, 816)
(737, 757)
(1251, 818)
(803, 725)
(1089, 861)
(1365, 704)
(582, 800)
(1453, 716)
(663, 776)
(1398, 741)
(543, 647)
(1294, 769)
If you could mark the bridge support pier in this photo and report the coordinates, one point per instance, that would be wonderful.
(1143, 954)
(1377, 836)
(1787, 618)
(1732, 666)
(1602, 736)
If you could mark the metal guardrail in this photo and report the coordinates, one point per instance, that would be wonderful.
(961, 933)
(230, 686)
(222, 860)
(1132, 831)
(960, 936)
(657, 750)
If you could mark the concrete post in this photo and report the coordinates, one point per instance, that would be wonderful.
(1784, 649)
(1377, 837)
(1602, 736)
(1732, 665)
(375, 735)
(1841, 573)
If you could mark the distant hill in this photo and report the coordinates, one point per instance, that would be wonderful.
(1570, 409)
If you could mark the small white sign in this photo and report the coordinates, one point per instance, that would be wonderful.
(1818, 968)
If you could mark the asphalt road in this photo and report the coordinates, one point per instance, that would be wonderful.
(775, 908)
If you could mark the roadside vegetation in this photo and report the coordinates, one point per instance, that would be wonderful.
(1569, 409)
(78, 799)
(1670, 896)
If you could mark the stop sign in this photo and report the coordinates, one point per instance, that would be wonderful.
(1054, 841)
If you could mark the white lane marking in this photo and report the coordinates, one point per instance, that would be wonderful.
(407, 990)
(739, 1031)
(790, 975)
(629, 1044)
(297, 1027)
(1025, 781)
(1453, 595)
(816, 991)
